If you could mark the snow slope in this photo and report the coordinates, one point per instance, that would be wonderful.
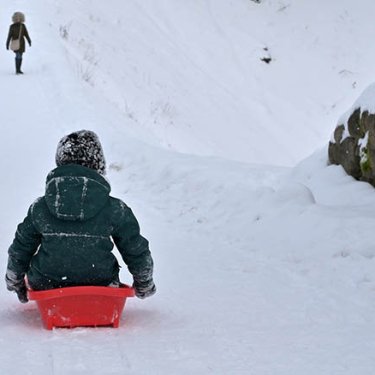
(260, 268)
(190, 75)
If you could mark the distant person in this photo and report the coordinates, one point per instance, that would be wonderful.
(16, 38)
(68, 235)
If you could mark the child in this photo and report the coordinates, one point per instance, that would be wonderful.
(66, 237)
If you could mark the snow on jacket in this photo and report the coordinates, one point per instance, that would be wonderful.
(14, 33)
(67, 236)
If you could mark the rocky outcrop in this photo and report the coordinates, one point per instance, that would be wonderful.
(353, 145)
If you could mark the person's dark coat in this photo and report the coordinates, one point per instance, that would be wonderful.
(14, 33)
(68, 234)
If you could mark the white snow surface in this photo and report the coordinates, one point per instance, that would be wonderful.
(264, 254)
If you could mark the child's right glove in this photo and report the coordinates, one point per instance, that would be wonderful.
(144, 289)
(16, 284)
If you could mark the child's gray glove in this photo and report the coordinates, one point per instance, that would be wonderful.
(144, 289)
(16, 284)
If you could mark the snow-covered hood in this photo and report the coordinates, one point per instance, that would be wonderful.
(74, 192)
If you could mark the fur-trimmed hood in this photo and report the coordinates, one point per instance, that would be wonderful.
(18, 17)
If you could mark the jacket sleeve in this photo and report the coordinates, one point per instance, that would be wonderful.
(9, 37)
(26, 34)
(24, 246)
(132, 246)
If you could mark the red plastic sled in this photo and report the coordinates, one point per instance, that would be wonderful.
(81, 306)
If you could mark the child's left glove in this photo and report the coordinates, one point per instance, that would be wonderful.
(144, 289)
(16, 284)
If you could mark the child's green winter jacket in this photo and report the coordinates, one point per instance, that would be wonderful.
(68, 235)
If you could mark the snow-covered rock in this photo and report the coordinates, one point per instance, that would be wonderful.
(353, 141)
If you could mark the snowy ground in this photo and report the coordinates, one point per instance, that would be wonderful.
(261, 268)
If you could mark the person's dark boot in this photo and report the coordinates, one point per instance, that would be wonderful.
(18, 66)
(19, 70)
